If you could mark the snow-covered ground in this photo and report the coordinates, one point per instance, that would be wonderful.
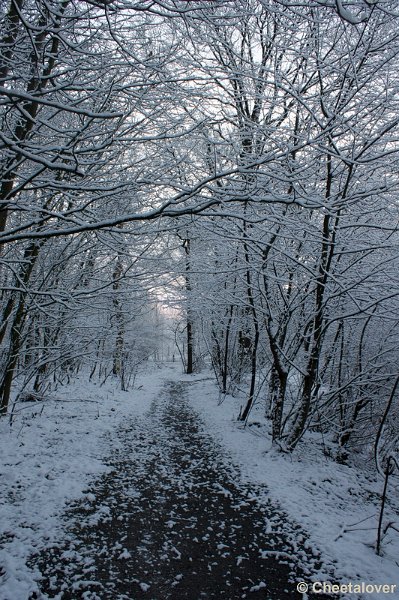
(54, 448)
(47, 457)
(337, 505)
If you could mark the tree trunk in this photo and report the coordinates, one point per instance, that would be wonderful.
(190, 326)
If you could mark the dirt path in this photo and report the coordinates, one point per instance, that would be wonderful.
(172, 521)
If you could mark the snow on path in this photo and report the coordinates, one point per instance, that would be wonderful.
(338, 505)
(55, 449)
(172, 520)
(47, 457)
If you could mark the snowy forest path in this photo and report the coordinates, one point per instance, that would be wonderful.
(173, 520)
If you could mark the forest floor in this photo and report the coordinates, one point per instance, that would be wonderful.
(129, 496)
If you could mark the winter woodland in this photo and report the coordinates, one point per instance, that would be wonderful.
(208, 182)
